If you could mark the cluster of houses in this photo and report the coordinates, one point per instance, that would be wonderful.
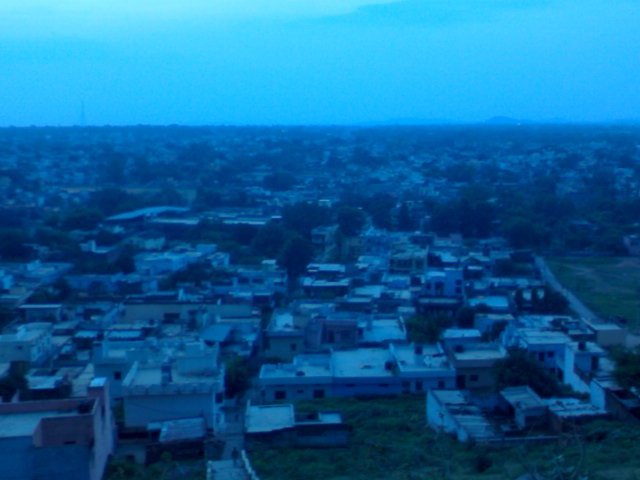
(132, 361)
(340, 330)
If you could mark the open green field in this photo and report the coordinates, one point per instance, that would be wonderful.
(609, 286)
(390, 440)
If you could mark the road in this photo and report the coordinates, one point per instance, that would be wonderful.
(631, 340)
(574, 302)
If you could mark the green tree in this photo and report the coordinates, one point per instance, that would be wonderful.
(379, 206)
(280, 181)
(518, 368)
(13, 382)
(270, 239)
(13, 245)
(236, 380)
(296, 255)
(351, 220)
(303, 217)
(627, 369)
(427, 328)
(82, 218)
(522, 233)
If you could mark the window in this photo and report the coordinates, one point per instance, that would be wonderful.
(473, 378)
(541, 356)
(406, 387)
(293, 347)
(441, 384)
(280, 395)
(419, 386)
(318, 393)
(551, 354)
(117, 375)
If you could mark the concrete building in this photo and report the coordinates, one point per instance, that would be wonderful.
(423, 367)
(452, 412)
(278, 425)
(474, 364)
(284, 338)
(527, 407)
(53, 439)
(31, 343)
(187, 386)
(307, 377)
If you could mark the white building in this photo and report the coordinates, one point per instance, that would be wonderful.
(31, 343)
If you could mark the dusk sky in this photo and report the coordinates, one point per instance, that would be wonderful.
(269, 62)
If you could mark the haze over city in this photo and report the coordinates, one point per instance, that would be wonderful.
(317, 62)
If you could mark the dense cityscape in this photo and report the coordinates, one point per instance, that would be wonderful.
(399, 302)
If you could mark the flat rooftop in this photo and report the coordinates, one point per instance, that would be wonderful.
(269, 418)
(479, 352)
(522, 397)
(533, 336)
(363, 362)
(430, 357)
(290, 370)
(381, 330)
(24, 424)
(152, 375)
(492, 301)
(452, 333)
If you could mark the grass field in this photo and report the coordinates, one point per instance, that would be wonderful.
(609, 286)
(390, 441)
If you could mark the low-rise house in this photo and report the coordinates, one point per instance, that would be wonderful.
(439, 305)
(70, 438)
(147, 240)
(565, 413)
(453, 337)
(423, 367)
(42, 312)
(284, 337)
(623, 404)
(474, 364)
(581, 364)
(451, 411)
(183, 439)
(545, 346)
(358, 372)
(491, 303)
(189, 385)
(413, 260)
(379, 330)
(607, 334)
(32, 343)
(447, 282)
(364, 372)
(527, 408)
(318, 288)
(114, 359)
(307, 377)
(278, 425)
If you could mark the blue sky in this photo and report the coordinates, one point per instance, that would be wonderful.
(317, 62)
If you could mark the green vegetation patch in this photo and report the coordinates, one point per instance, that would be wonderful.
(609, 286)
(390, 440)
